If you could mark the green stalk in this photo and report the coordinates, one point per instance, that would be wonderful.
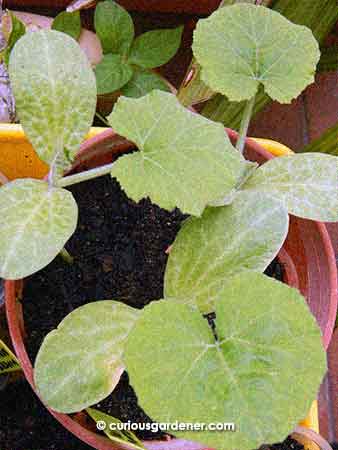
(85, 176)
(247, 113)
(66, 256)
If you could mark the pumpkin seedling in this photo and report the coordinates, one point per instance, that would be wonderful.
(250, 368)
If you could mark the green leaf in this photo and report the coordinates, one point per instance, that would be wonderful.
(13, 29)
(69, 23)
(142, 82)
(302, 13)
(184, 160)
(55, 92)
(155, 48)
(114, 27)
(306, 184)
(246, 235)
(256, 375)
(79, 363)
(242, 46)
(112, 73)
(35, 223)
(121, 437)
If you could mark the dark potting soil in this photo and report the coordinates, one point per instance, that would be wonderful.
(25, 424)
(119, 250)
(288, 444)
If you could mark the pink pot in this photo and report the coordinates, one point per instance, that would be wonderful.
(307, 257)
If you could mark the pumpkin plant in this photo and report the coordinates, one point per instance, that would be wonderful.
(249, 367)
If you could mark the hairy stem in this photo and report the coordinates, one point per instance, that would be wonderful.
(85, 176)
(66, 256)
(247, 113)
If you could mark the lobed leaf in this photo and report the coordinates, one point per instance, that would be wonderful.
(112, 73)
(114, 27)
(80, 362)
(247, 235)
(69, 23)
(55, 92)
(242, 46)
(307, 184)
(36, 221)
(246, 377)
(142, 82)
(155, 48)
(184, 159)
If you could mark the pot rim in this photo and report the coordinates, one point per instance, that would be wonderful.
(86, 152)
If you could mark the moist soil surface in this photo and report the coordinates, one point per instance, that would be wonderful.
(119, 252)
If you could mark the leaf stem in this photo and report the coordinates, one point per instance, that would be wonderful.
(66, 256)
(247, 113)
(85, 176)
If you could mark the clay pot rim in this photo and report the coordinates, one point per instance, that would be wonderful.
(87, 436)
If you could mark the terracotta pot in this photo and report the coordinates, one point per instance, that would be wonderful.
(171, 6)
(307, 257)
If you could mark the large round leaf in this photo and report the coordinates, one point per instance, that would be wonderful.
(257, 375)
(35, 223)
(242, 46)
(55, 92)
(80, 363)
(185, 160)
(245, 235)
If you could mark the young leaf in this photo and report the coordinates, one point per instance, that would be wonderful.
(55, 92)
(184, 160)
(155, 48)
(80, 362)
(114, 27)
(247, 376)
(35, 223)
(69, 23)
(306, 184)
(142, 82)
(121, 437)
(246, 235)
(242, 46)
(13, 29)
(112, 73)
